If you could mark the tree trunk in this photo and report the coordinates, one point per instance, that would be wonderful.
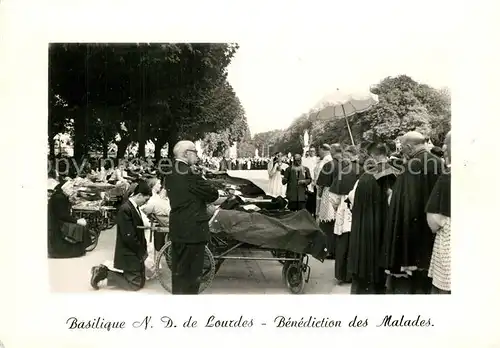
(104, 144)
(80, 131)
(172, 140)
(142, 147)
(159, 143)
(52, 145)
(122, 147)
(158, 147)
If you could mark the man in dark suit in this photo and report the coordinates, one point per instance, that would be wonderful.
(189, 194)
(130, 247)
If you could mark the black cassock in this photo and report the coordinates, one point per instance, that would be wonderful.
(440, 199)
(408, 240)
(349, 174)
(369, 215)
(59, 212)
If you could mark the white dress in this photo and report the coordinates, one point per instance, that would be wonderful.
(276, 187)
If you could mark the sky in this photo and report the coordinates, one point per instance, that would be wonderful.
(281, 75)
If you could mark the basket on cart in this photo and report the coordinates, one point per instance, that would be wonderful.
(97, 216)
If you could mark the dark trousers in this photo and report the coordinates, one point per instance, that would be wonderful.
(327, 228)
(416, 284)
(187, 267)
(159, 240)
(130, 281)
(341, 252)
(296, 206)
(311, 202)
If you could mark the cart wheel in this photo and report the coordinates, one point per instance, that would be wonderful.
(284, 270)
(103, 224)
(218, 264)
(163, 268)
(208, 273)
(277, 255)
(94, 239)
(293, 277)
(111, 221)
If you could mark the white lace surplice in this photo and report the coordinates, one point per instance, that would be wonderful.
(328, 202)
(440, 266)
(343, 218)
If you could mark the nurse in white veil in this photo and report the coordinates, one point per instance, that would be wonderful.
(274, 168)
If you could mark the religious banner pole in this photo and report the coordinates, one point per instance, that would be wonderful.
(348, 127)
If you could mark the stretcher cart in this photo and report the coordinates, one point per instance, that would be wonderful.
(289, 237)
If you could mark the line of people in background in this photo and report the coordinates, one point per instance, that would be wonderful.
(224, 164)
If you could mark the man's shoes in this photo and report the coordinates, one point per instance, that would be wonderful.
(99, 273)
(342, 282)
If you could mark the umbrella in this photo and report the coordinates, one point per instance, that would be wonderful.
(338, 105)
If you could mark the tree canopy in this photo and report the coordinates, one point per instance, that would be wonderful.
(141, 92)
(404, 105)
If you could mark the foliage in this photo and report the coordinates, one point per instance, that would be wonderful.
(404, 105)
(157, 91)
(229, 109)
(246, 149)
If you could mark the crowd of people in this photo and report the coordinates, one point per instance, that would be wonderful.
(224, 163)
(386, 216)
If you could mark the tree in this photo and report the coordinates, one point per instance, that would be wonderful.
(219, 142)
(246, 147)
(267, 142)
(58, 120)
(140, 91)
(196, 84)
(404, 105)
(89, 78)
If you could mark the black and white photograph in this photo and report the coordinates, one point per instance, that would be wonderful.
(274, 158)
(164, 176)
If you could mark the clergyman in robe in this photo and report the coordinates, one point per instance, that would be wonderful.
(408, 240)
(348, 174)
(326, 199)
(296, 178)
(311, 161)
(369, 202)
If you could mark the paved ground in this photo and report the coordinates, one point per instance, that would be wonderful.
(234, 277)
